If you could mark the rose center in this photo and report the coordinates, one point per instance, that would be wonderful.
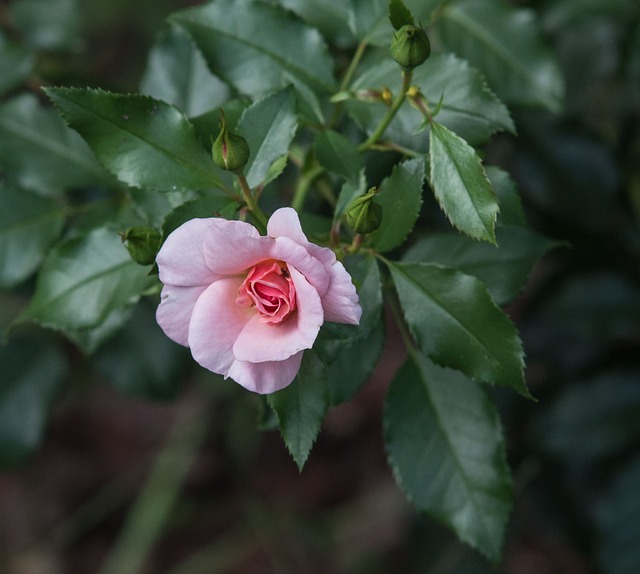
(269, 288)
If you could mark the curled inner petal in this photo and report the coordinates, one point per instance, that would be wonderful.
(268, 287)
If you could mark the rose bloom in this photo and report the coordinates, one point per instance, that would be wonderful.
(248, 305)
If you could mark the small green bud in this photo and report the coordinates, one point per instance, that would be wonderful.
(229, 151)
(410, 47)
(142, 243)
(363, 215)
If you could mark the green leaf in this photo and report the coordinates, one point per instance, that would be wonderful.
(142, 141)
(16, 64)
(31, 373)
(617, 523)
(39, 152)
(597, 418)
(469, 107)
(83, 280)
(142, 361)
(29, 225)
(258, 48)
(269, 125)
(301, 407)
(351, 352)
(445, 446)
(206, 206)
(461, 185)
(369, 21)
(506, 44)
(504, 268)
(353, 364)
(49, 24)
(338, 155)
(400, 197)
(92, 338)
(399, 14)
(328, 16)
(350, 190)
(511, 212)
(177, 74)
(455, 323)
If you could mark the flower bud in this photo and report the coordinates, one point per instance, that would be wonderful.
(229, 151)
(142, 244)
(410, 46)
(363, 215)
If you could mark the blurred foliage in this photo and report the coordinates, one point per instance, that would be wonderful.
(574, 453)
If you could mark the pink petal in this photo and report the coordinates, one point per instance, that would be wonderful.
(260, 342)
(298, 256)
(181, 259)
(174, 312)
(215, 324)
(340, 302)
(285, 223)
(231, 247)
(268, 377)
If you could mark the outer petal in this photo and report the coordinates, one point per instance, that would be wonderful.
(299, 257)
(181, 258)
(215, 324)
(261, 342)
(285, 223)
(231, 247)
(266, 378)
(340, 302)
(174, 312)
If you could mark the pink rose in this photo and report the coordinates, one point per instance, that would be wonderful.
(248, 305)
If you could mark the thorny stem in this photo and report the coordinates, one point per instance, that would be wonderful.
(391, 112)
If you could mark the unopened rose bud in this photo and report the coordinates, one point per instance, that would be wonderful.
(229, 151)
(142, 244)
(410, 47)
(363, 215)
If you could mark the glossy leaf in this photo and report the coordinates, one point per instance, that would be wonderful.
(31, 373)
(83, 280)
(337, 154)
(269, 126)
(504, 268)
(202, 207)
(461, 185)
(301, 407)
(40, 153)
(16, 63)
(90, 339)
(177, 74)
(351, 352)
(400, 197)
(617, 522)
(350, 190)
(445, 446)
(469, 107)
(328, 16)
(597, 418)
(369, 21)
(257, 48)
(29, 225)
(506, 44)
(142, 141)
(457, 325)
